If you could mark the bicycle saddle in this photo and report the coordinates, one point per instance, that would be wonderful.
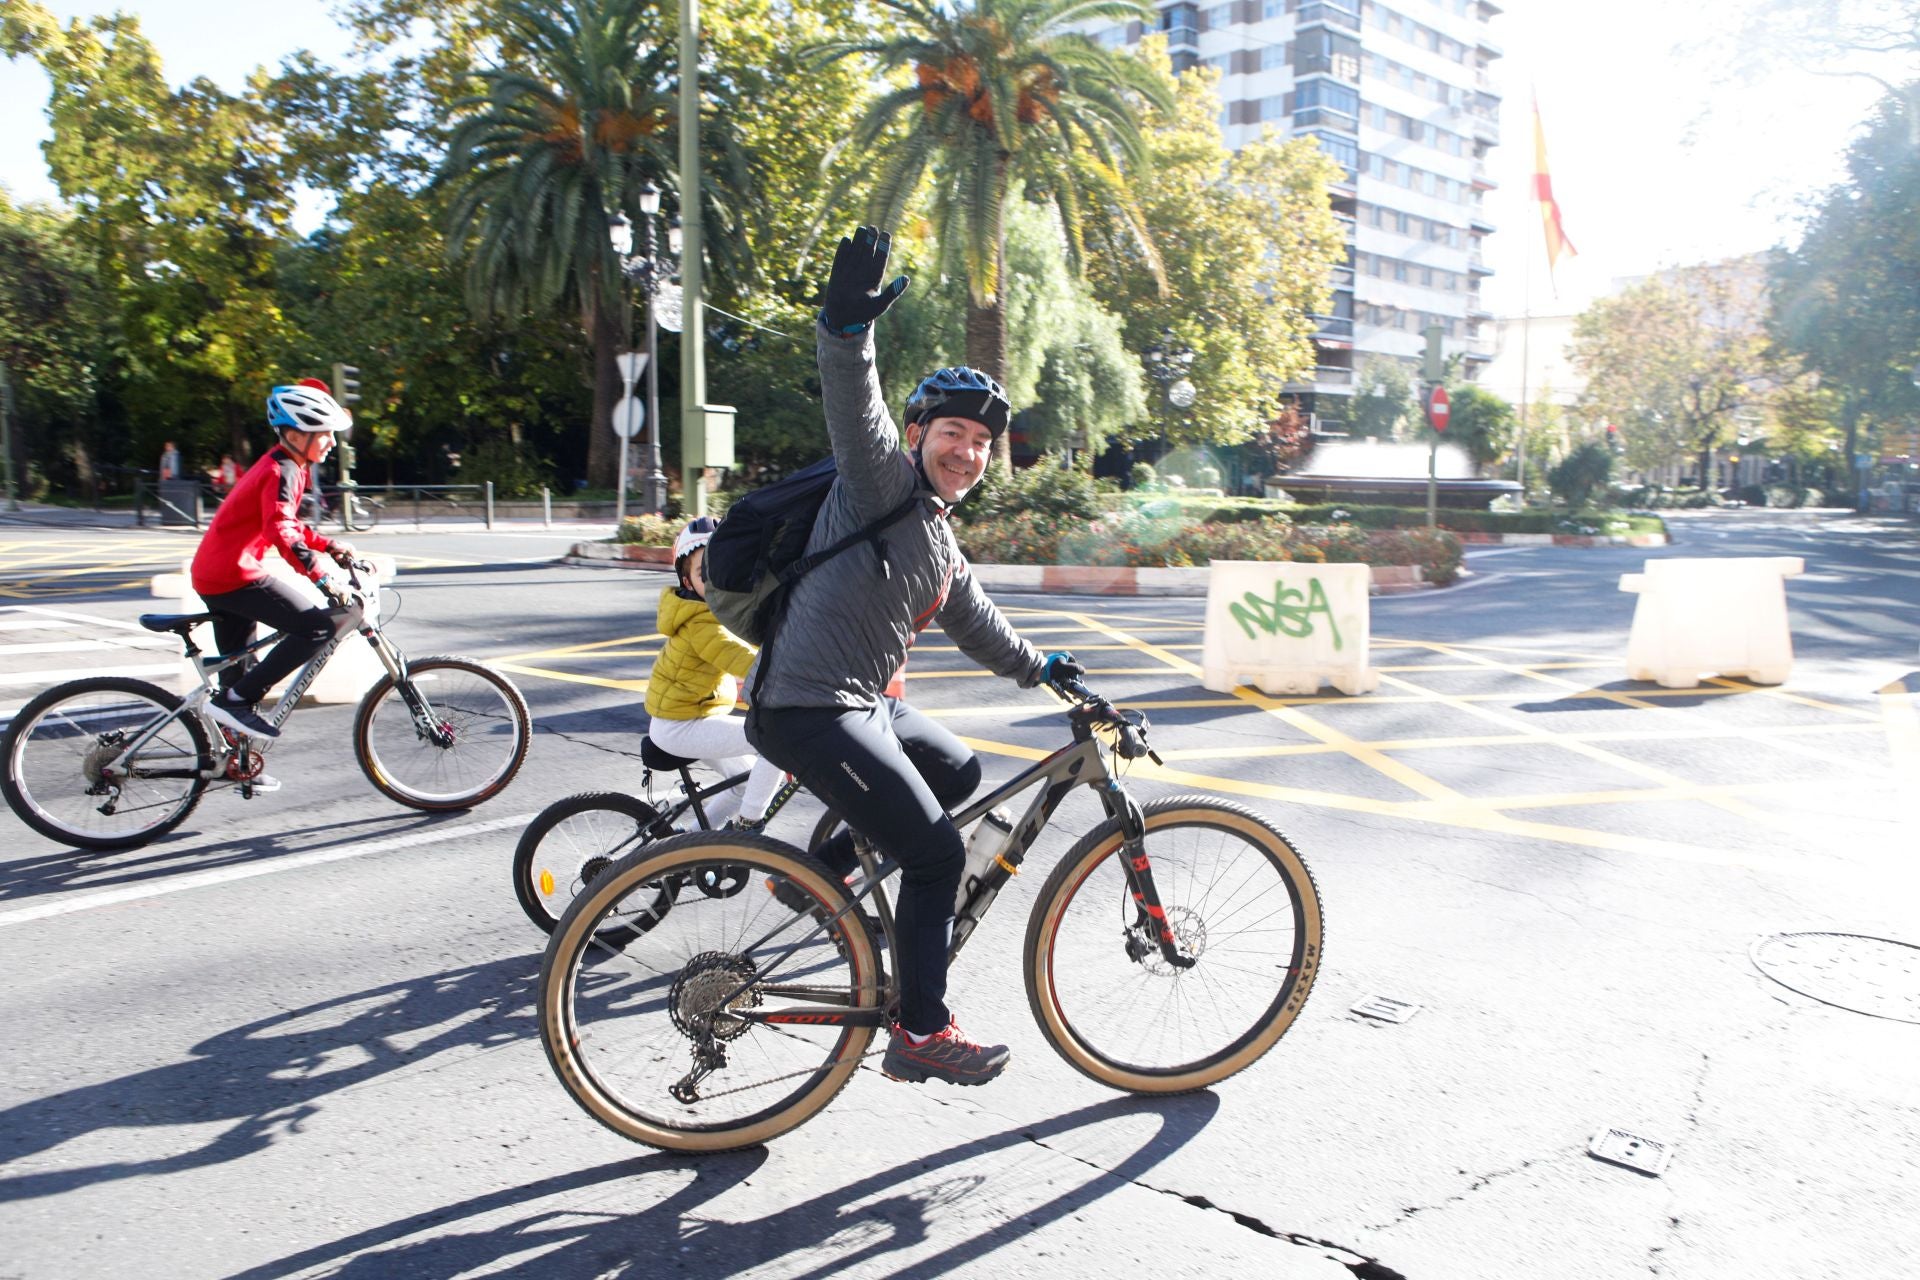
(660, 758)
(180, 622)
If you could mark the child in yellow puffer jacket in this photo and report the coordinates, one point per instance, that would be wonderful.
(691, 691)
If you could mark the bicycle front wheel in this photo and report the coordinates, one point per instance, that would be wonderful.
(727, 1021)
(1243, 909)
(572, 843)
(64, 776)
(451, 739)
(359, 515)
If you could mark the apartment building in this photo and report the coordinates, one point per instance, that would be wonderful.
(1402, 96)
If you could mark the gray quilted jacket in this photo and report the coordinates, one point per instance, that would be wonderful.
(849, 623)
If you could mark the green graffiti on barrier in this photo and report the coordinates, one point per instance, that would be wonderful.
(1290, 612)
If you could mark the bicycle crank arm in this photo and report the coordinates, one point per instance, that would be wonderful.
(814, 1017)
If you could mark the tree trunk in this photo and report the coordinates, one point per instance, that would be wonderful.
(987, 351)
(603, 447)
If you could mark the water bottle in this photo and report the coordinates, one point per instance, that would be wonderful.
(982, 847)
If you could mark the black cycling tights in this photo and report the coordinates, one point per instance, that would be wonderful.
(891, 773)
(279, 606)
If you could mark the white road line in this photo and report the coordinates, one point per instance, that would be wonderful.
(98, 621)
(80, 673)
(226, 875)
(83, 646)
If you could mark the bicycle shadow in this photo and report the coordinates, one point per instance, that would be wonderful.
(264, 1078)
(59, 869)
(563, 1243)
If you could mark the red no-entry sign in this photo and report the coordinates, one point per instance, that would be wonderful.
(1438, 408)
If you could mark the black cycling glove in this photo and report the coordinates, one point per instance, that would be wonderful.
(1061, 668)
(855, 298)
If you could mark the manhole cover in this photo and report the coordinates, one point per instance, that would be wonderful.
(1879, 977)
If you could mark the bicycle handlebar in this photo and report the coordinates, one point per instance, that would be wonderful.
(1130, 734)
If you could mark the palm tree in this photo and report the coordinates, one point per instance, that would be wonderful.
(1006, 96)
(561, 138)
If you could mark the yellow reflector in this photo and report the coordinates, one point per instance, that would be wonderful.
(546, 884)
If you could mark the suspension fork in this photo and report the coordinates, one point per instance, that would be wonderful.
(1124, 809)
(396, 664)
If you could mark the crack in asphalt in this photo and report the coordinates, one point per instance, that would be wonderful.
(1362, 1266)
(568, 737)
(1482, 1181)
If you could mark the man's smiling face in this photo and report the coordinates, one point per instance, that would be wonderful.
(953, 452)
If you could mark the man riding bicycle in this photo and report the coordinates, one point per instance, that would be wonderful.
(824, 692)
(262, 509)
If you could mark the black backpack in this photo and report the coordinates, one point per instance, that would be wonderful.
(760, 548)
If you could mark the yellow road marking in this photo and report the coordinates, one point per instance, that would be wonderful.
(569, 650)
(570, 677)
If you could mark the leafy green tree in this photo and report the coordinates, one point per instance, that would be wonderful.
(1481, 423)
(1671, 362)
(557, 140)
(180, 199)
(53, 332)
(1245, 246)
(1383, 399)
(1003, 91)
(1576, 478)
(1843, 302)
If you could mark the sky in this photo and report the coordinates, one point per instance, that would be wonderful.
(1659, 157)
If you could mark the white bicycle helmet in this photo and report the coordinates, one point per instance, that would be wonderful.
(697, 534)
(300, 408)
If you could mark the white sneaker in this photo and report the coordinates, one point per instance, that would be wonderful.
(264, 783)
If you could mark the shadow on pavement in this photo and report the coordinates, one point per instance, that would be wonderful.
(671, 1237)
(58, 870)
(265, 1077)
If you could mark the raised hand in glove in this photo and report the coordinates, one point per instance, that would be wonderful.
(855, 297)
(1061, 668)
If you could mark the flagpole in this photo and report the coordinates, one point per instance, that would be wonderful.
(1526, 342)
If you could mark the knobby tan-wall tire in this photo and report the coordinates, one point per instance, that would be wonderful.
(1265, 1026)
(558, 969)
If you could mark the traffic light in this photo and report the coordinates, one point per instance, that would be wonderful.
(346, 384)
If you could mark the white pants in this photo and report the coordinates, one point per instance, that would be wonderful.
(721, 741)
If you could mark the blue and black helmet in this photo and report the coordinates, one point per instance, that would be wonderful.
(961, 392)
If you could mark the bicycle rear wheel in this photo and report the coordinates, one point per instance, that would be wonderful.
(572, 843)
(358, 514)
(60, 744)
(1242, 905)
(464, 747)
(677, 1008)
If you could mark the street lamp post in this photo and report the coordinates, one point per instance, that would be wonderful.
(646, 273)
(1168, 363)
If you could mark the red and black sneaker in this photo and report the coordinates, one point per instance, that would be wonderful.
(945, 1055)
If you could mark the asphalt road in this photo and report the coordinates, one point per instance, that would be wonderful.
(295, 1038)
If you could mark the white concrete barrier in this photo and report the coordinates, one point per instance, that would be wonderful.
(1288, 628)
(1700, 617)
(348, 675)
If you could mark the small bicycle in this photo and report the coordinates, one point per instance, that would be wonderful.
(1171, 947)
(109, 762)
(354, 512)
(573, 841)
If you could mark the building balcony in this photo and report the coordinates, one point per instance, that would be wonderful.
(1488, 47)
(1341, 277)
(1323, 377)
(1477, 265)
(1479, 349)
(1334, 15)
(1334, 332)
(1478, 224)
(1486, 128)
(1482, 180)
(1183, 37)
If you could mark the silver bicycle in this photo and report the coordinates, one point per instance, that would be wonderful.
(110, 762)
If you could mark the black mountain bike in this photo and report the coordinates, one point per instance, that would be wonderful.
(685, 1007)
(573, 841)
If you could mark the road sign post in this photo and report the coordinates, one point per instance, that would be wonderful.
(1438, 409)
(628, 417)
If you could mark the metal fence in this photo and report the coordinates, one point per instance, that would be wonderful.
(193, 502)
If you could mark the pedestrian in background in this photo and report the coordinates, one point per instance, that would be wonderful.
(169, 462)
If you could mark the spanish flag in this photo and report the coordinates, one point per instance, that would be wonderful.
(1557, 242)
